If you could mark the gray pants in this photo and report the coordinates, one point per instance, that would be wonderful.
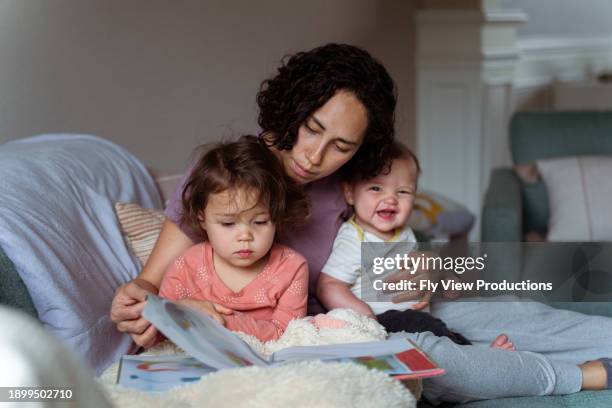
(550, 343)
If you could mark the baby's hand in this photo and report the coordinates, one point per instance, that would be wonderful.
(322, 321)
(214, 310)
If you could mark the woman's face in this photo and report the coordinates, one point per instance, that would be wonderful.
(327, 139)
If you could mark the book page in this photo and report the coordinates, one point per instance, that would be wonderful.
(160, 373)
(200, 335)
(388, 364)
(400, 366)
(335, 351)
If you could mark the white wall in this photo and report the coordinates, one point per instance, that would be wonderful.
(567, 18)
(161, 76)
(563, 41)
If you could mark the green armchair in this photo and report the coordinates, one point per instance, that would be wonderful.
(513, 208)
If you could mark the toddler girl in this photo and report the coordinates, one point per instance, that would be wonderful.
(236, 198)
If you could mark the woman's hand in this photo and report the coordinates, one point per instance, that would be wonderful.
(126, 312)
(214, 310)
(129, 301)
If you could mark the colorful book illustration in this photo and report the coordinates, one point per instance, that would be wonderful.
(216, 347)
(160, 373)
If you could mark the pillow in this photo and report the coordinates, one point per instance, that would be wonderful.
(580, 197)
(439, 217)
(140, 228)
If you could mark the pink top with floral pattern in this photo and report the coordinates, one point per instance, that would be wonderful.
(263, 308)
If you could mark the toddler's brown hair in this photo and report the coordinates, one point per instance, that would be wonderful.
(246, 163)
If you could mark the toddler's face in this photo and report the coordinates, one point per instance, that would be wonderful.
(239, 229)
(384, 203)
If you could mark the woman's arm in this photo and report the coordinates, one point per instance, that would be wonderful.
(171, 242)
(333, 294)
(127, 306)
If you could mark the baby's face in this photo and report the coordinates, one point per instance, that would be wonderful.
(384, 203)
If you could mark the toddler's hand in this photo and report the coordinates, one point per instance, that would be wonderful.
(212, 309)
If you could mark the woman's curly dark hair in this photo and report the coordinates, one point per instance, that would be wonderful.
(244, 164)
(307, 80)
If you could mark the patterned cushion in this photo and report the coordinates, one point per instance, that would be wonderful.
(140, 228)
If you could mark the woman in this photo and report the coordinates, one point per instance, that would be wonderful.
(334, 106)
(325, 108)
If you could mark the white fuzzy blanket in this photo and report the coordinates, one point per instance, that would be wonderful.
(300, 384)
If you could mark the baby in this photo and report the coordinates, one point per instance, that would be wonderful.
(382, 206)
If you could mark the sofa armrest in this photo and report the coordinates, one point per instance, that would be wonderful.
(502, 213)
(502, 226)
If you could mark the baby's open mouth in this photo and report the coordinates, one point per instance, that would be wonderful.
(386, 214)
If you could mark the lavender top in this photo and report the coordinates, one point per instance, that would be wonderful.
(314, 240)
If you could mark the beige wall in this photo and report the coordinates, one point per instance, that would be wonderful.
(160, 77)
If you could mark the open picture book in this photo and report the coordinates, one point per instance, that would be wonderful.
(212, 347)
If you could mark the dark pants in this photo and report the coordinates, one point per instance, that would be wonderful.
(413, 321)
